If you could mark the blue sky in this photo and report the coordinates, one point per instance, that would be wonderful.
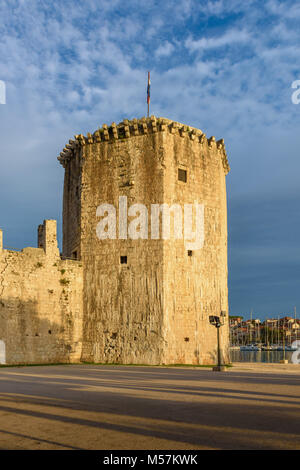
(225, 67)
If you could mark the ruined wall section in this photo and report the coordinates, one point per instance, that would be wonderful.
(40, 303)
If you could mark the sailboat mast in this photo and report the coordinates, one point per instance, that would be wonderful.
(296, 323)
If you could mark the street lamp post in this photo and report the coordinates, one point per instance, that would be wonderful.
(284, 360)
(218, 321)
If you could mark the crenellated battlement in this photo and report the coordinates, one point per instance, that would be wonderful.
(138, 127)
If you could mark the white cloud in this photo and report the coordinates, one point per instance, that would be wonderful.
(233, 36)
(290, 10)
(70, 66)
(164, 50)
(224, 66)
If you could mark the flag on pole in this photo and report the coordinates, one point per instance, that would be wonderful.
(148, 93)
(148, 89)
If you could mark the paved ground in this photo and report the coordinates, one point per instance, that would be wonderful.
(119, 407)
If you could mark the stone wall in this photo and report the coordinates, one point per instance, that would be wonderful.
(40, 303)
(123, 300)
(72, 208)
(195, 280)
(154, 309)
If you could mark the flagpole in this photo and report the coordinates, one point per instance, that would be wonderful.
(148, 94)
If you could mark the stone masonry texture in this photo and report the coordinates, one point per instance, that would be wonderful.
(85, 305)
(40, 303)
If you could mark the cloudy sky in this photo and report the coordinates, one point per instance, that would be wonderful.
(224, 66)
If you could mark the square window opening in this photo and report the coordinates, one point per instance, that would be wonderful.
(182, 175)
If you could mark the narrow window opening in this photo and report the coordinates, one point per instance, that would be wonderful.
(182, 175)
(123, 259)
(74, 255)
(190, 253)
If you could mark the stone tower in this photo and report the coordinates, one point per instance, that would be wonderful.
(147, 299)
